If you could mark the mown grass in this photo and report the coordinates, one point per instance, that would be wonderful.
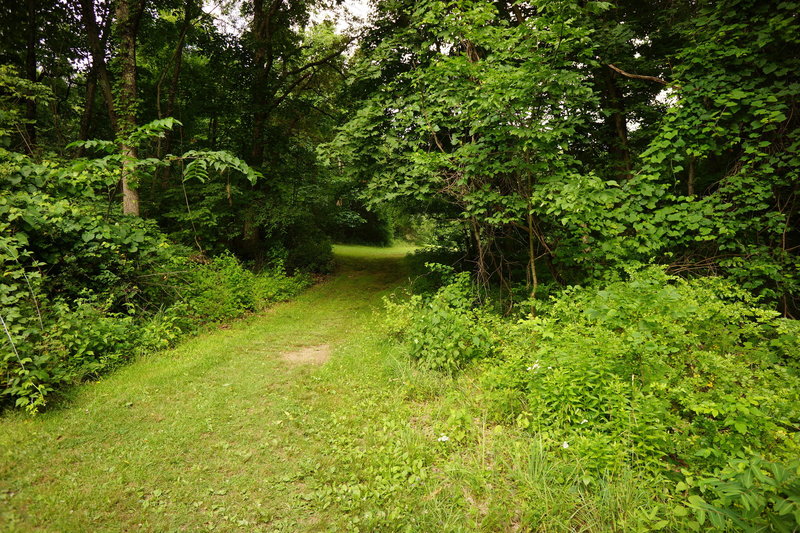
(223, 434)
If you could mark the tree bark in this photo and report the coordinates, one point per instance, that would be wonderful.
(532, 260)
(97, 51)
(128, 13)
(30, 73)
(165, 147)
(655, 79)
(271, 88)
(213, 132)
(618, 123)
(263, 60)
(88, 108)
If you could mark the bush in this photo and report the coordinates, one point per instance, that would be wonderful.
(61, 349)
(674, 372)
(310, 250)
(445, 331)
(223, 289)
(746, 495)
(69, 263)
(690, 383)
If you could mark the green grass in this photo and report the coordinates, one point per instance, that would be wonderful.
(224, 434)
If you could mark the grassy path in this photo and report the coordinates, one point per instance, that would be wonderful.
(227, 432)
(305, 418)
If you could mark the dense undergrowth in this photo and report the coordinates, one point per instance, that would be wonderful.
(84, 290)
(688, 385)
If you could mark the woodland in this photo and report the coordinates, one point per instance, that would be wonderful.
(595, 325)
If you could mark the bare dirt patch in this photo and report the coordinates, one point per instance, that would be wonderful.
(308, 355)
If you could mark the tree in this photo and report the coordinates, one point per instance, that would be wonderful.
(128, 16)
(281, 60)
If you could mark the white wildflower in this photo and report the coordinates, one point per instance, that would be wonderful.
(443, 438)
(565, 445)
(535, 366)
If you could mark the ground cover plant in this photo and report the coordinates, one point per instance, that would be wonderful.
(67, 263)
(690, 384)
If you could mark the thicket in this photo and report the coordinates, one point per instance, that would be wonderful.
(620, 179)
(569, 140)
(692, 384)
(85, 289)
(573, 158)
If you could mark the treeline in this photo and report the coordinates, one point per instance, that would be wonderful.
(562, 141)
(267, 92)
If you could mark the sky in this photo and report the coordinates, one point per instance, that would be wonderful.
(350, 15)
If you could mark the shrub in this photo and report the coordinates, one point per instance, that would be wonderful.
(223, 288)
(311, 252)
(689, 382)
(746, 495)
(653, 371)
(274, 285)
(445, 331)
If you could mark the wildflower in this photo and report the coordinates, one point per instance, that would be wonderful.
(443, 438)
(565, 445)
(535, 366)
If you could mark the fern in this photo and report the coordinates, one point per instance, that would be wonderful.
(205, 161)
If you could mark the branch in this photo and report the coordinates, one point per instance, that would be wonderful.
(637, 76)
(278, 101)
(323, 60)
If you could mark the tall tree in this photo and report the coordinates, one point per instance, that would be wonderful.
(96, 42)
(280, 61)
(30, 72)
(128, 17)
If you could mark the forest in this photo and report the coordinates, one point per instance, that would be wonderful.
(393, 265)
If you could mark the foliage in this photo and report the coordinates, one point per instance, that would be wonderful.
(68, 262)
(14, 90)
(223, 289)
(519, 120)
(42, 356)
(443, 332)
(653, 373)
(747, 494)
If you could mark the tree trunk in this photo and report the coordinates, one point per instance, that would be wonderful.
(165, 147)
(213, 133)
(88, 109)
(263, 59)
(127, 23)
(97, 51)
(30, 73)
(483, 275)
(532, 259)
(619, 148)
